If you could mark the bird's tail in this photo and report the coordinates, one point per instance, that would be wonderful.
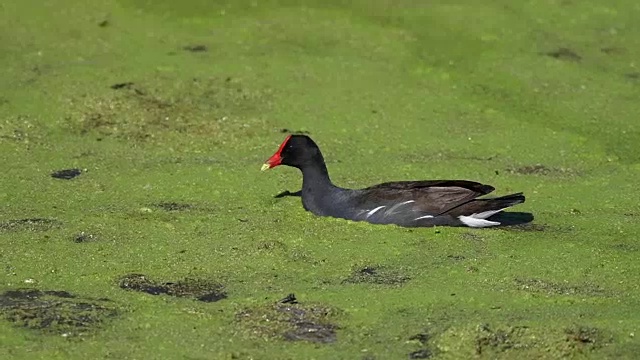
(502, 202)
(476, 212)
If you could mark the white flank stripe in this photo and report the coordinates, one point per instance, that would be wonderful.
(423, 217)
(394, 207)
(472, 221)
(374, 211)
(360, 213)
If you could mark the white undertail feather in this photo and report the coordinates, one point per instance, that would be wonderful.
(478, 220)
(476, 223)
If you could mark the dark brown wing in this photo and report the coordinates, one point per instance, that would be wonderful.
(412, 185)
(431, 197)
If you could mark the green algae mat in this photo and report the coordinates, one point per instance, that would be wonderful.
(135, 223)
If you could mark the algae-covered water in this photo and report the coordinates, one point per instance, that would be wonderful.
(157, 237)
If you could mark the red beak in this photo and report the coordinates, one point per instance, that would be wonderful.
(275, 159)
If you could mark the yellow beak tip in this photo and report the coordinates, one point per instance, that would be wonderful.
(265, 167)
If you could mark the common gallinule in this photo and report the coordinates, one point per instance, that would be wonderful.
(404, 203)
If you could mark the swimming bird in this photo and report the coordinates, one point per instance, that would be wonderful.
(422, 203)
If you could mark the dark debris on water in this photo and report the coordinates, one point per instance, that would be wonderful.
(292, 322)
(31, 224)
(195, 48)
(424, 352)
(374, 274)
(197, 289)
(564, 53)
(66, 174)
(55, 311)
(289, 299)
(122, 85)
(294, 132)
(420, 354)
(84, 237)
(173, 206)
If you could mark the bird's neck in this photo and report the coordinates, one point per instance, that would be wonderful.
(318, 192)
(315, 177)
